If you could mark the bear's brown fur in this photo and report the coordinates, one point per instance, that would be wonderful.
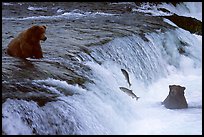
(27, 43)
(176, 98)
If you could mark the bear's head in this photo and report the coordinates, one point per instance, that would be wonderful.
(37, 33)
(176, 91)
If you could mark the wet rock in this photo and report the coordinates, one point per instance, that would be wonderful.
(27, 91)
(181, 50)
(18, 79)
(164, 10)
(176, 98)
(190, 24)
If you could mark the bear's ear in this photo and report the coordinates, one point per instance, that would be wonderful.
(183, 88)
(170, 86)
(44, 26)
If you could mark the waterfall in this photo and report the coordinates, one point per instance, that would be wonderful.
(78, 81)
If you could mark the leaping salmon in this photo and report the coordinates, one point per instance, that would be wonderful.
(125, 73)
(129, 92)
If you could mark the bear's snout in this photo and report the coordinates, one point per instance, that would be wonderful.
(44, 39)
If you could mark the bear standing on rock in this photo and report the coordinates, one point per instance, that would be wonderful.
(27, 43)
(176, 98)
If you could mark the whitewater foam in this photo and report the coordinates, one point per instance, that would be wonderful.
(7, 4)
(188, 9)
(36, 8)
(75, 14)
(148, 116)
(52, 84)
(102, 108)
(59, 10)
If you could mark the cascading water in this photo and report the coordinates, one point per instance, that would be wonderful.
(152, 65)
(98, 106)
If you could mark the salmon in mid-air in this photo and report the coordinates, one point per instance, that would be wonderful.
(125, 73)
(129, 92)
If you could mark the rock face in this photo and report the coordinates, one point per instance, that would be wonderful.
(190, 24)
(176, 98)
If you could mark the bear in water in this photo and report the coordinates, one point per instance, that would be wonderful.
(176, 98)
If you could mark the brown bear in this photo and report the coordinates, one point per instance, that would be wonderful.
(27, 43)
(176, 98)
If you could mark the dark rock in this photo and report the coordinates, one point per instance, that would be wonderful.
(174, 3)
(190, 24)
(164, 10)
(181, 50)
(176, 98)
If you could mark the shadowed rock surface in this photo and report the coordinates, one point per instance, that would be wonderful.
(190, 24)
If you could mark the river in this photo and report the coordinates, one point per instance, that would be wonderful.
(74, 89)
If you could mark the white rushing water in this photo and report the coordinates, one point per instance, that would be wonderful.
(189, 9)
(147, 116)
(75, 14)
(104, 109)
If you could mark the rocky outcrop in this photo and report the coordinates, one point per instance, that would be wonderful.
(18, 79)
(190, 24)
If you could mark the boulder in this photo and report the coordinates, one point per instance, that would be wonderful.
(190, 24)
